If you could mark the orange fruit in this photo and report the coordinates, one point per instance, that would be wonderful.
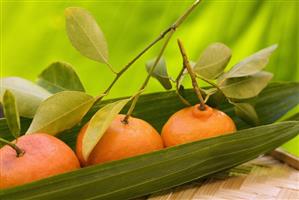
(44, 156)
(192, 124)
(121, 141)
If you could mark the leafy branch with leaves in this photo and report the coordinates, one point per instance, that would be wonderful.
(58, 104)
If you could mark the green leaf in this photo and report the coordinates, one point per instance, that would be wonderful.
(149, 173)
(246, 87)
(160, 72)
(98, 124)
(60, 112)
(60, 76)
(213, 61)
(247, 113)
(11, 113)
(85, 34)
(28, 95)
(252, 64)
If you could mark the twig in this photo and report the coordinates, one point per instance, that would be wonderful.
(192, 75)
(170, 31)
(177, 87)
(172, 28)
(135, 98)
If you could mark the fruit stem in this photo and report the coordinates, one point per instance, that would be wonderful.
(192, 75)
(20, 152)
(172, 28)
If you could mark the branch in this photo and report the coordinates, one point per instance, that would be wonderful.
(192, 75)
(172, 28)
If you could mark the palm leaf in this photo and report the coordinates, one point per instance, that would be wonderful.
(145, 174)
(270, 106)
(160, 170)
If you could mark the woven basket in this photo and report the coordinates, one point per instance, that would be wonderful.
(274, 176)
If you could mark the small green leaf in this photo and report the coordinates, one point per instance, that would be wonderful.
(60, 76)
(28, 95)
(213, 61)
(160, 72)
(246, 87)
(85, 34)
(98, 124)
(60, 112)
(252, 64)
(247, 113)
(11, 113)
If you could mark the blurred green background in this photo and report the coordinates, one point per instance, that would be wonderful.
(33, 36)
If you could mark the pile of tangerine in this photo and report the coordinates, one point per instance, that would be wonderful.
(41, 155)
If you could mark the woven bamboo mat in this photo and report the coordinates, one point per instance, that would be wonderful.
(264, 178)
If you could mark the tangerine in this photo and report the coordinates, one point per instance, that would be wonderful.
(121, 140)
(44, 156)
(192, 124)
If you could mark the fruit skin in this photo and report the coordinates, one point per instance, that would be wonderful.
(191, 124)
(121, 141)
(44, 156)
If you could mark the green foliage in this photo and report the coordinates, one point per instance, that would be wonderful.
(213, 61)
(160, 72)
(251, 65)
(244, 81)
(60, 76)
(60, 112)
(243, 26)
(11, 113)
(85, 34)
(28, 95)
(245, 30)
(246, 87)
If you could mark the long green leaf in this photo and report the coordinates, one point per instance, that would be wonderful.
(11, 113)
(28, 95)
(60, 112)
(60, 76)
(145, 174)
(85, 34)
